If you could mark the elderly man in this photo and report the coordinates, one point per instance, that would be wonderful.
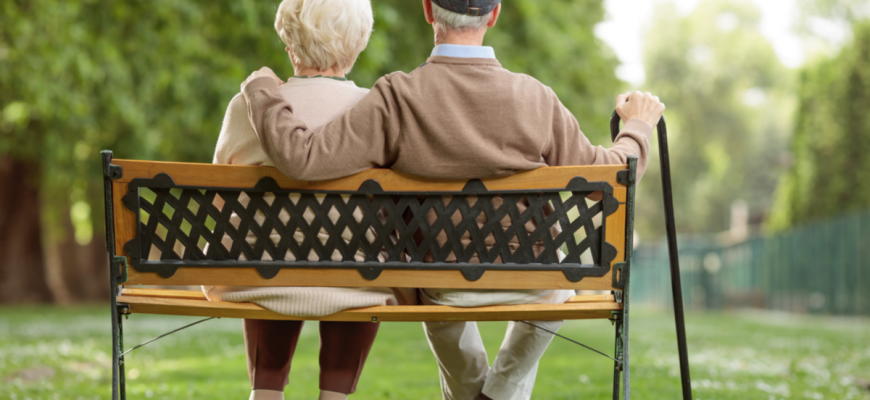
(460, 115)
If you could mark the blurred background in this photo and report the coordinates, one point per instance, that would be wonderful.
(767, 111)
(767, 108)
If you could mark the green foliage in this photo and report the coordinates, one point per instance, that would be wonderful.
(837, 10)
(728, 114)
(820, 23)
(832, 138)
(146, 79)
(151, 80)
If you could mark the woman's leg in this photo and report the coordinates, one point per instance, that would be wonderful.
(344, 347)
(270, 346)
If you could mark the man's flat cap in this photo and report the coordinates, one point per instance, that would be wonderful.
(468, 7)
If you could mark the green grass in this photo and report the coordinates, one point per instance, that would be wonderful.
(64, 353)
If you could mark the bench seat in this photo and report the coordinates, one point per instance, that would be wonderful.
(194, 303)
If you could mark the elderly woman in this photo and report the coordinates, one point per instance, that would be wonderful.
(323, 40)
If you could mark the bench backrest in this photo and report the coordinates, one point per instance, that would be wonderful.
(204, 224)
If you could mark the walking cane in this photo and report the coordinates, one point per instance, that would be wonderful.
(676, 286)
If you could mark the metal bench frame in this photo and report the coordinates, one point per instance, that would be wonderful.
(190, 189)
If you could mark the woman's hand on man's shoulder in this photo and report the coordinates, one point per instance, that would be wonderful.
(261, 73)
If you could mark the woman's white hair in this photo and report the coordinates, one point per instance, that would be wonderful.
(325, 33)
(456, 21)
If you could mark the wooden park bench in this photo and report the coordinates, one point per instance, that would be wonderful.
(165, 228)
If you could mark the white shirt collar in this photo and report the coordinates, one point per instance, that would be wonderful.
(460, 51)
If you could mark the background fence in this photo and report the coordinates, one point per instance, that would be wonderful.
(822, 268)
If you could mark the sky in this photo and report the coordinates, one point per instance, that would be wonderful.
(626, 20)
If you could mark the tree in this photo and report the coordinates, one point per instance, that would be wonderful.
(147, 79)
(151, 80)
(728, 113)
(22, 278)
(832, 138)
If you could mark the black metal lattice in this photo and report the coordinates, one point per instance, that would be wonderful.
(184, 226)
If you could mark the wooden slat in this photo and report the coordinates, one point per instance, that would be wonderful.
(616, 227)
(540, 312)
(615, 236)
(125, 220)
(592, 298)
(199, 295)
(190, 174)
(352, 278)
(620, 194)
(164, 293)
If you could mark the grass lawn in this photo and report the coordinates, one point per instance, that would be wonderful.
(64, 353)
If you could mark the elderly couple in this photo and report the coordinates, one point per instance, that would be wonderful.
(459, 115)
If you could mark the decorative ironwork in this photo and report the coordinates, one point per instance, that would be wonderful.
(269, 228)
(118, 264)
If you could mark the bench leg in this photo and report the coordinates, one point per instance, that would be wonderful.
(115, 346)
(621, 370)
(119, 384)
(621, 367)
(626, 371)
(119, 381)
(122, 376)
(617, 365)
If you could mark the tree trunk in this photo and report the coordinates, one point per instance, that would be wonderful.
(77, 273)
(22, 277)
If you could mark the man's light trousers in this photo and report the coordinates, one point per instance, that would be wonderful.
(461, 356)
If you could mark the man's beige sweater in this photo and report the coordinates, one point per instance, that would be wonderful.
(457, 118)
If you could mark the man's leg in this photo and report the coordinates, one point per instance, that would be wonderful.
(513, 372)
(462, 362)
(270, 346)
(344, 347)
